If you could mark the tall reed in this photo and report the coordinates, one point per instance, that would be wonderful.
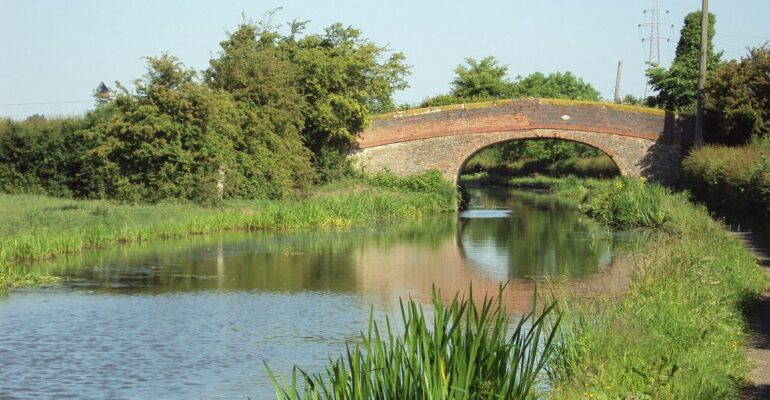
(466, 353)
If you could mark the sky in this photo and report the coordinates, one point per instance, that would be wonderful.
(57, 52)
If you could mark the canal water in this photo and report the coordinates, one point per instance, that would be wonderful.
(199, 317)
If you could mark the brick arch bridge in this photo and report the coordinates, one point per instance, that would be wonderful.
(642, 142)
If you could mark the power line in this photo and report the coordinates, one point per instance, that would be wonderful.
(654, 38)
(45, 103)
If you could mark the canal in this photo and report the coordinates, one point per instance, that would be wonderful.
(196, 318)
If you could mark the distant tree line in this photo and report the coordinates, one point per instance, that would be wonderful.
(485, 79)
(273, 114)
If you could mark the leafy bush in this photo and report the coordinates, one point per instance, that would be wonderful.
(427, 182)
(465, 353)
(738, 99)
(39, 155)
(627, 203)
(731, 180)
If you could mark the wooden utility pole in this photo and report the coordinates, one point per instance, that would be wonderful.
(704, 37)
(617, 82)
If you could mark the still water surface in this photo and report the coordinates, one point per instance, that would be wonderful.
(196, 318)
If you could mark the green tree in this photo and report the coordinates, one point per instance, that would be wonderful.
(738, 98)
(485, 80)
(252, 68)
(176, 137)
(630, 99)
(481, 79)
(336, 80)
(556, 85)
(344, 78)
(165, 141)
(677, 86)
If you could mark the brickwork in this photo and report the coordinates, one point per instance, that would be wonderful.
(641, 142)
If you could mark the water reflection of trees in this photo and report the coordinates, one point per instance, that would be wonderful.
(540, 237)
(286, 262)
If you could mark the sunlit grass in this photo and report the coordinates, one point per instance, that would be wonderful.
(38, 227)
(678, 332)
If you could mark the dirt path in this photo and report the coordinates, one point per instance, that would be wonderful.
(759, 321)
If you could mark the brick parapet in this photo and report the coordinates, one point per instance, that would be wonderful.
(528, 114)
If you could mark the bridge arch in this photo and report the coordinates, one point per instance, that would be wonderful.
(642, 142)
(529, 135)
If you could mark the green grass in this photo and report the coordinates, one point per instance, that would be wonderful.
(467, 352)
(37, 227)
(678, 332)
(732, 181)
(626, 203)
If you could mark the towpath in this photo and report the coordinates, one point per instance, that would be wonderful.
(759, 322)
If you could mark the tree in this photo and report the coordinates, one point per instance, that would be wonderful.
(344, 78)
(176, 137)
(485, 80)
(481, 79)
(677, 86)
(630, 99)
(263, 82)
(335, 80)
(167, 140)
(738, 98)
(555, 85)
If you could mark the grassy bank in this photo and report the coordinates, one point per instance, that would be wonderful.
(677, 333)
(38, 227)
(732, 181)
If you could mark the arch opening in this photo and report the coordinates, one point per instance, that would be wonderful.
(497, 163)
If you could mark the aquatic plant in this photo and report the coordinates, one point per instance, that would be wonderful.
(466, 353)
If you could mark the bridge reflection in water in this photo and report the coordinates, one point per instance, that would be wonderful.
(506, 236)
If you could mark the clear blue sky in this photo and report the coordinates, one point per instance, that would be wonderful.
(58, 51)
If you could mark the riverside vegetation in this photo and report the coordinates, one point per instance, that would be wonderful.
(678, 332)
(733, 181)
(35, 227)
(274, 115)
(241, 144)
(466, 352)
